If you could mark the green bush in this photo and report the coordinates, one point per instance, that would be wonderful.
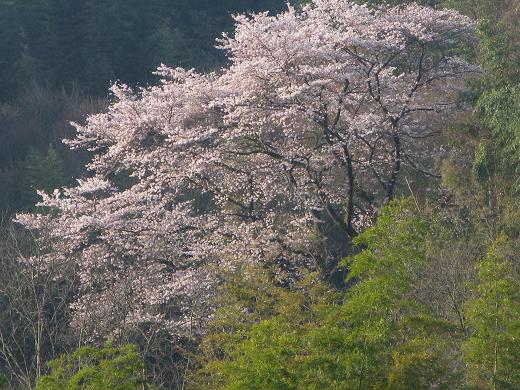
(89, 368)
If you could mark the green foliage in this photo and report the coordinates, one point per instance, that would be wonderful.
(372, 336)
(386, 340)
(478, 9)
(499, 103)
(481, 163)
(88, 368)
(489, 198)
(252, 301)
(485, 162)
(427, 357)
(44, 172)
(492, 352)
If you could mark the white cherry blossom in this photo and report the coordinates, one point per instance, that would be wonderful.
(280, 158)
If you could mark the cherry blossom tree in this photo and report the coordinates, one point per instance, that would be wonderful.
(339, 93)
(130, 229)
(294, 146)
